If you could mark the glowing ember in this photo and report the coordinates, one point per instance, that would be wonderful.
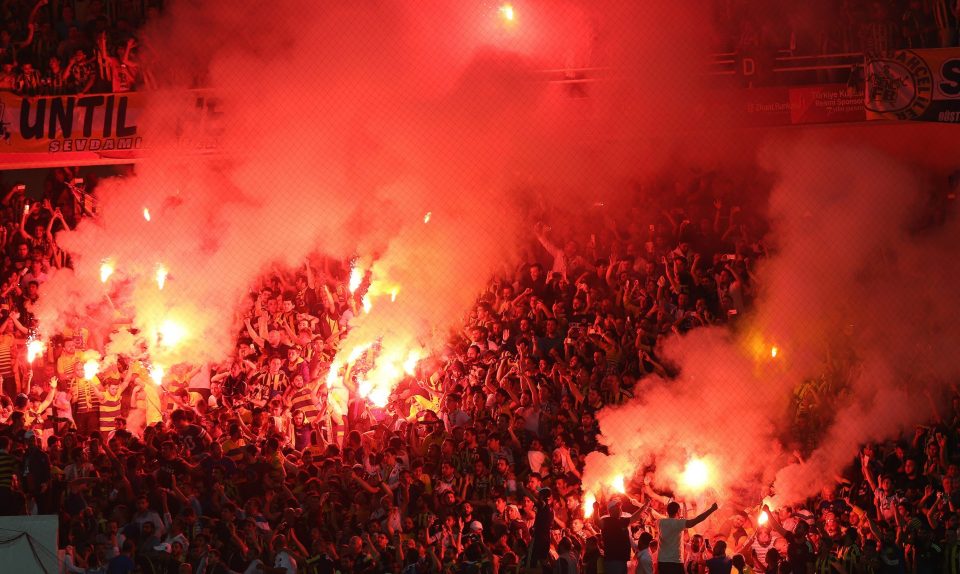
(106, 270)
(34, 348)
(156, 373)
(773, 352)
(507, 13)
(146, 214)
(171, 333)
(763, 518)
(618, 484)
(696, 475)
(356, 277)
(90, 369)
(161, 276)
(426, 218)
(588, 500)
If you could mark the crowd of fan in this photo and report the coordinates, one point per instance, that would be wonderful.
(66, 47)
(475, 463)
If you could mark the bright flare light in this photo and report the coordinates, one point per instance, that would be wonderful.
(106, 270)
(763, 518)
(618, 484)
(156, 373)
(356, 277)
(161, 276)
(588, 501)
(333, 375)
(380, 396)
(696, 475)
(507, 13)
(171, 333)
(34, 348)
(90, 369)
(426, 218)
(146, 214)
(410, 365)
(367, 305)
(393, 294)
(364, 387)
(773, 352)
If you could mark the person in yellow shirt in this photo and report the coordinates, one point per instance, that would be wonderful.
(10, 383)
(178, 379)
(235, 443)
(740, 565)
(274, 458)
(79, 335)
(70, 362)
(147, 408)
(110, 398)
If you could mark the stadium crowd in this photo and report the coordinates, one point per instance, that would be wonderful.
(91, 46)
(475, 463)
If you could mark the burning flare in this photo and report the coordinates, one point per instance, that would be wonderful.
(35, 348)
(146, 214)
(588, 501)
(106, 270)
(161, 276)
(507, 13)
(333, 375)
(426, 218)
(380, 396)
(763, 518)
(696, 475)
(773, 352)
(90, 369)
(618, 484)
(156, 373)
(410, 365)
(356, 277)
(171, 333)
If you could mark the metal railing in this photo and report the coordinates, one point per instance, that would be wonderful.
(784, 63)
(787, 68)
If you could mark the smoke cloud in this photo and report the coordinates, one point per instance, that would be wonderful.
(881, 291)
(854, 273)
(338, 127)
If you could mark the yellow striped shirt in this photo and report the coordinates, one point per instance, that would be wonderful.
(109, 411)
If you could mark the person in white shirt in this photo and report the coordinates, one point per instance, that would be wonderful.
(641, 547)
(669, 559)
(283, 557)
